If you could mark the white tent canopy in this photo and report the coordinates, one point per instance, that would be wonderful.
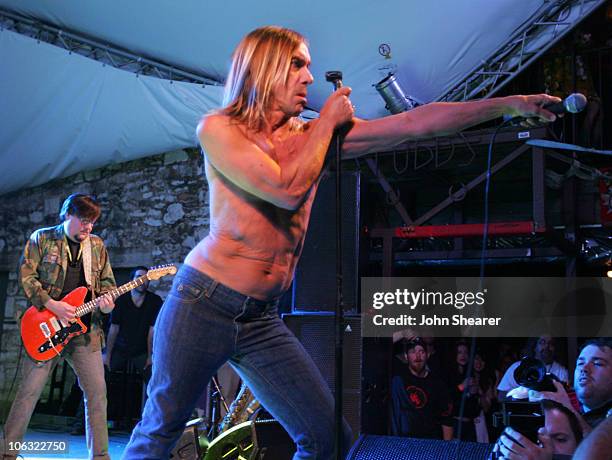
(63, 112)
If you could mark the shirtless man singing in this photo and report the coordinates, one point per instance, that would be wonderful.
(263, 166)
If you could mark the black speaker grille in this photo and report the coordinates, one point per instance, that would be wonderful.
(394, 448)
(316, 333)
(315, 277)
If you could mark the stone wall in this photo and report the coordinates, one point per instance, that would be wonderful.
(154, 210)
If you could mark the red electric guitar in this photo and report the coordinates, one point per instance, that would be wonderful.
(44, 336)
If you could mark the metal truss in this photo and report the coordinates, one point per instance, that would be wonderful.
(103, 52)
(544, 29)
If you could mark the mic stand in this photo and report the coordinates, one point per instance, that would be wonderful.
(215, 399)
(335, 77)
(339, 316)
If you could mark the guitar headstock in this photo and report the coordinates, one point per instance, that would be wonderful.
(157, 272)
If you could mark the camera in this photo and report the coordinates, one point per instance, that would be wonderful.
(531, 373)
(521, 415)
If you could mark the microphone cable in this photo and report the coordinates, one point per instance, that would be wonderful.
(485, 235)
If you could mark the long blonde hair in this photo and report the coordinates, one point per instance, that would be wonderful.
(260, 62)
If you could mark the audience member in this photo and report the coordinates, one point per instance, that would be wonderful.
(544, 350)
(560, 436)
(460, 382)
(592, 383)
(487, 397)
(421, 403)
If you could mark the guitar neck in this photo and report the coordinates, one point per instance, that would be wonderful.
(127, 287)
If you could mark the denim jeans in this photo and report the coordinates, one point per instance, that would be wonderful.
(204, 324)
(84, 356)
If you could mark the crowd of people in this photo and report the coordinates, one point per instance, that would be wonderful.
(446, 402)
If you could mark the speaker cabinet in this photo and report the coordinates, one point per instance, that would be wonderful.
(314, 287)
(394, 448)
(316, 333)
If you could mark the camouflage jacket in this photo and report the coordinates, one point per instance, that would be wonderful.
(42, 267)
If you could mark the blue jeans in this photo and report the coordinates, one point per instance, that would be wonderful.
(204, 324)
(84, 355)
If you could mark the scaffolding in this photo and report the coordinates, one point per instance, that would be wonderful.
(544, 29)
(103, 52)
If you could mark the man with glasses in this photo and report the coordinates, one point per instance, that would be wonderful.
(55, 261)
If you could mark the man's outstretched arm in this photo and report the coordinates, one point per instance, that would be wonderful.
(441, 119)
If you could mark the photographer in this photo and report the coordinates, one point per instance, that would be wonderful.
(592, 383)
(559, 436)
(593, 386)
(542, 348)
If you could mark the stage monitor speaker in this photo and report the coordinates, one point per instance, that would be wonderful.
(394, 448)
(316, 333)
(314, 287)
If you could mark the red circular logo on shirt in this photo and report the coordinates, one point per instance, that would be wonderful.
(416, 396)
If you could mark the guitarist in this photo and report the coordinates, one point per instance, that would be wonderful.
(55, 261)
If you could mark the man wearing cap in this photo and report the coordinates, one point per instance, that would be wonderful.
(421, 403)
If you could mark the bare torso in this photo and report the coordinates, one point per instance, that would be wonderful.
(253, 246)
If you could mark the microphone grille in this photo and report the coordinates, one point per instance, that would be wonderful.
(575, 103)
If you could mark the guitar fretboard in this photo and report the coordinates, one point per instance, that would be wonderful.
(127, 287)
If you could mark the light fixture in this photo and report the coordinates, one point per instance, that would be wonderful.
(392, 93)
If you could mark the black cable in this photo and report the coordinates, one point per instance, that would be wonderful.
(485, 234)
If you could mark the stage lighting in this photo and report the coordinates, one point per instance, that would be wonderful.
(395, 99)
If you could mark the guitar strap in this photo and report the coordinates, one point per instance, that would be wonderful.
(87, 266)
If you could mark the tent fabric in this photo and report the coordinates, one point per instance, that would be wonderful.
(65, 113)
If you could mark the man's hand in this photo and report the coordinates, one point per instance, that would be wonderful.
(513, 445)
(559, 396)
(338, 108)
(64, 311)
(106, 303)
(531, 109)
(562, 398)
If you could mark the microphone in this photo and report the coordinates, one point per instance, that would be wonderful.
(335, 78)
(574, 103)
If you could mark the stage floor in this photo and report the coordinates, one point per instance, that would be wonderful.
(76, 445)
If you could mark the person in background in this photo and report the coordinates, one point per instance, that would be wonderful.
(543, 349)
(130, 336)
(421, 403)
(460, 382)
(487, 397)
(560, 436)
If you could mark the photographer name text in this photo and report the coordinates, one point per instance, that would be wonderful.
(434, 320)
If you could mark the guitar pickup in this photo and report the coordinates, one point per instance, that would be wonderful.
(45, 330)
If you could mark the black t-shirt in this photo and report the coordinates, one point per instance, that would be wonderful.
(421, 405)
(134, 322)
(75, 277)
